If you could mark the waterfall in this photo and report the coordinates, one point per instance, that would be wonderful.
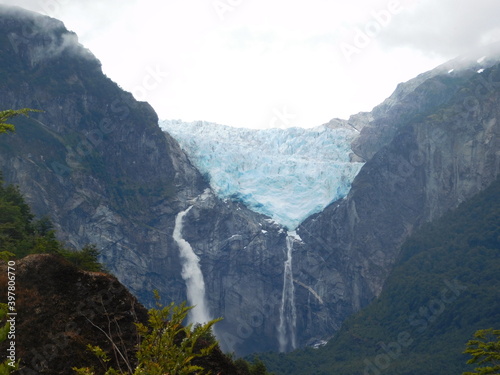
(288, 313)
(192, 275)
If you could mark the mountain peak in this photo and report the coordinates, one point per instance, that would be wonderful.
(39, 38)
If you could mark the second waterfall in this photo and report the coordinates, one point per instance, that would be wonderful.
(288, 313)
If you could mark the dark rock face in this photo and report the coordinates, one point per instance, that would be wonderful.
(242, 255)
(422, 96)
(99, 165)
(95, 160)
(431, 164)
(62, 309)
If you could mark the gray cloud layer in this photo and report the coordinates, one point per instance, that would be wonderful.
(446, 27)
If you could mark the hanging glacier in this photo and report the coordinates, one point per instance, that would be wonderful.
(287, 174)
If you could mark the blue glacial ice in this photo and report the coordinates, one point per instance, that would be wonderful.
(287, 174)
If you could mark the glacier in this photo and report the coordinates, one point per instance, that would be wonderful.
(286, 174)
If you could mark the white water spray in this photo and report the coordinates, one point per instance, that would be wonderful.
(192, 275)
(288, 313)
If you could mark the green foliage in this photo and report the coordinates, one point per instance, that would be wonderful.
(103, 358)
(255, 367)
(462, 250)
(160, 349)
(14, 214)
(485, 352)
(10, 113)
(258, 368)
(167, 346)
(21, 234)
(85, 259)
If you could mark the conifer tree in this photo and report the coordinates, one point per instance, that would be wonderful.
(10, 113)
(485, 352)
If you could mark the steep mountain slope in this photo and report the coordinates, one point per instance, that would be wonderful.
(422, 96)
(431, 145)
(56, 307)
(434, 162)
(444, 287)
(97, 163)
(95, 159)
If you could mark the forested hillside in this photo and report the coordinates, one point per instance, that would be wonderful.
(445, 286)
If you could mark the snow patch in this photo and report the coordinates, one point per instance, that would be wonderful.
(205, 195)
(293, 234)
(318, 344)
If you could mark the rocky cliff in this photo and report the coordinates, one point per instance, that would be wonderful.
(435, 160)
(430, 146)
(95, 160)
(99, 165)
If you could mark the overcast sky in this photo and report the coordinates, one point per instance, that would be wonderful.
(271, 63)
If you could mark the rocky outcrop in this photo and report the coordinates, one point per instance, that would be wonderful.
(61, 310)
(97, 163)
(242, 255)
(419, 97)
